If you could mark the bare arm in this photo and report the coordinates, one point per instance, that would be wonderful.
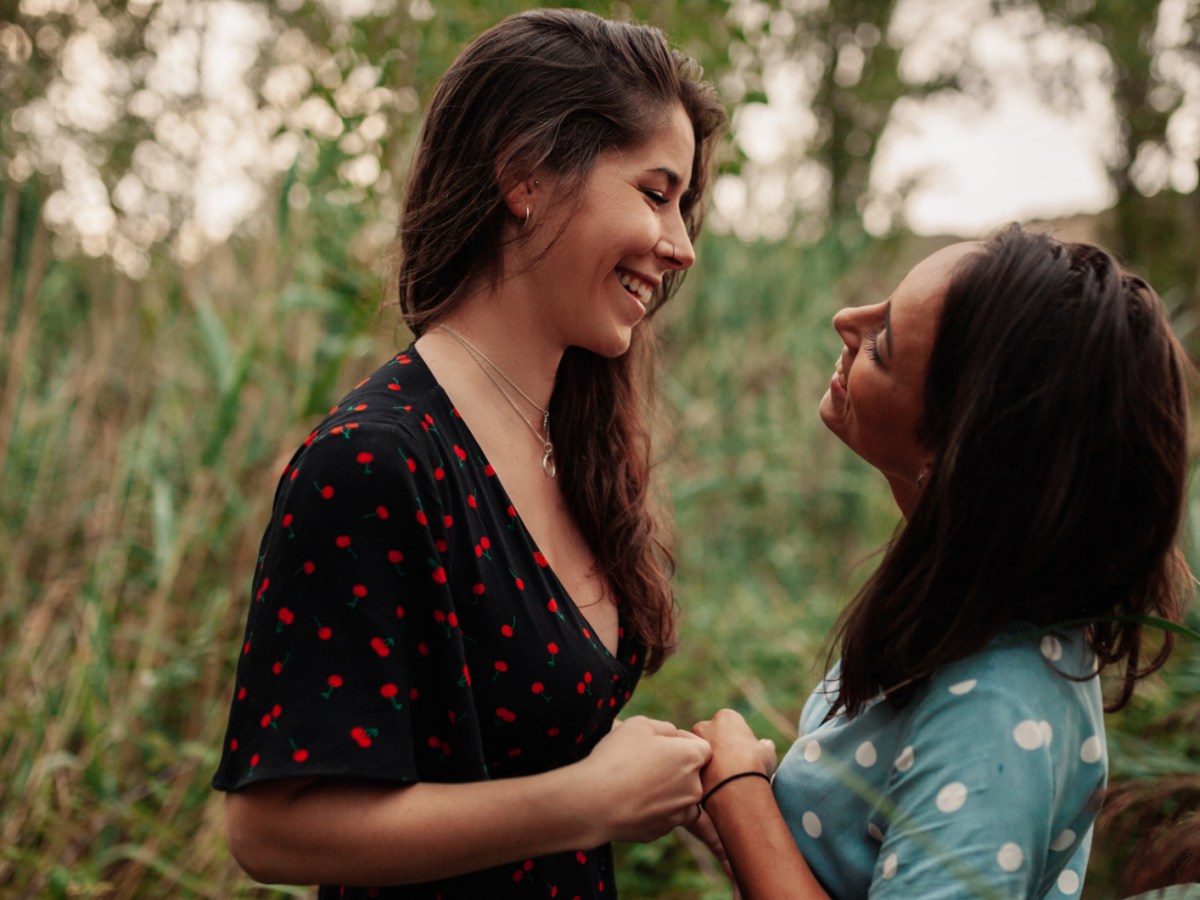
(639, 782)
(766, 863)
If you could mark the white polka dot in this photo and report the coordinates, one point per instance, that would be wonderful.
(1068, 882)
(1047, 732)
(1065, 839)
(812, 824)
(812, 751)
(963, 687)
(1028, 735)
(889, 866)
(1010, 857)
(952, 797)
(1091, 750)
(905, 760)
(873, 831)
(1051, 648)
(865, 754)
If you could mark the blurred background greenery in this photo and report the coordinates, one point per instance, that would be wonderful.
(196, 203)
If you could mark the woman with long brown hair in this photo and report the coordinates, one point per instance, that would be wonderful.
(1026, 401)
(465, 573)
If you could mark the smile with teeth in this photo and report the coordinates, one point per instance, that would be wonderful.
(636, 286)
(840, 369)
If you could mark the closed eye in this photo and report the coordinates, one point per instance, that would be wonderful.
(656, 197)
(871, 346)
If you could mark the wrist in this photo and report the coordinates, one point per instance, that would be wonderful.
(716, 787)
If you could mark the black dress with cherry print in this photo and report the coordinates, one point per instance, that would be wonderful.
(403, 627)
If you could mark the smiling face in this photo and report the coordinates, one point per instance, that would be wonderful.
(597, 277)
(875, 399)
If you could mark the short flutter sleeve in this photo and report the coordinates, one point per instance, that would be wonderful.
(334, 654)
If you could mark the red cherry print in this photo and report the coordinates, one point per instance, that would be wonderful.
(587, 634)
(552, 605)
(265, 720)
(389, 691)
(537, 687)
(309, 567)
(439, 575)
(506, 715)
(326, 492)
(262, 588)
(241, 694)
(382, 512)
(343, 543)
(276, 710)
(553, 891)
(399, 612)
(477, 589)
(553, 648)
(423, 648)
(286, 617)
(364, 459)
(278, 667)
(300, 755)
(500, 666)
(434, 742)
(506, 630)
(452, 619)
(324, 632)
(254, 760)
(359, 591)
(441, 545)
(581, 856)
(466, 677)
(337, 430)
(311, 437)
(512, 513)
(381, 646)
(471, 501)
(412, 465)
(233, 745)
(489, 471)
(448, 521)
(520, 584)
(553, 732)
(581, 687)
(421, 518)
(517, 875)
(439, 616)
(360, 384)
(587, 676)
(485, 543)
(404, 359)
(395, 557)
(245, 648)
(334, 682)
(439, 473)
(361, 736)
(540, 559)
(295, 472)
(393, 385)
(287, 520)
(460, 453)
(361, 406)
(527, 865)
(413, 694)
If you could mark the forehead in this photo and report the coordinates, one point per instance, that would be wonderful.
(668, 150)
(919, 296)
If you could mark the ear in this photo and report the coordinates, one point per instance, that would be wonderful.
(520, 196)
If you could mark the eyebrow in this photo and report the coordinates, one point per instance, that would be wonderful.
(673, 177)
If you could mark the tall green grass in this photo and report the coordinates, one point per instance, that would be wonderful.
(143, 425)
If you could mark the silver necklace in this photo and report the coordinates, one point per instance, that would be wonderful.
(487, 367)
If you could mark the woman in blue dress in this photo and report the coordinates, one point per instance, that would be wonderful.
(1026, 401)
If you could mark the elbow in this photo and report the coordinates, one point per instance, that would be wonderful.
(248, 833)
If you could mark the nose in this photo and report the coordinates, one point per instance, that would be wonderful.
(676, 249)
(852, 321)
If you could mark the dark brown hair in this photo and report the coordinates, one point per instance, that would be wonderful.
(556, 88)
(1056, 408)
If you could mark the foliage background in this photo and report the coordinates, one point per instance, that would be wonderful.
(157, 367)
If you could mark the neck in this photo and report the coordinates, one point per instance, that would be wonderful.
(509, 339)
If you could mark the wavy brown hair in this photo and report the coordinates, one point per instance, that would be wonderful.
(1056, 409)
(556, 88)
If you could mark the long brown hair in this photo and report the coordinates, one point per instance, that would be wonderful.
(1056, 409)
(556, 88)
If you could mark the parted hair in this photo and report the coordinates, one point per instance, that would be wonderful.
(1056, 410)
(556, 88)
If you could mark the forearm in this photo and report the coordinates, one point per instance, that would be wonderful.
(341, 831)
(766, 863)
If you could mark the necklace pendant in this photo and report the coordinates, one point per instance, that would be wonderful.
(548, 460)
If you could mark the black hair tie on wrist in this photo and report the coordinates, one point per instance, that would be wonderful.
(723, 782)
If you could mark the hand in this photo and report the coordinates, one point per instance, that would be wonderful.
(734, 748)
(647, 777)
